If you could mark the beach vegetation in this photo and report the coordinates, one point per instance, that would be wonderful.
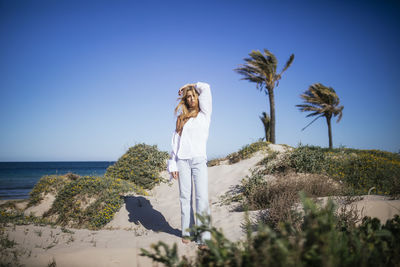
(359, 169)
(38, 232)
(355, 170)
(17, 217)
(9, 250)
(321, 240)
(48, 184)
(261, 68)
(277, 199)
(67, 231)
(245, 152)
(53, 263)
(141, 164)
(90, 201)
(319, 172)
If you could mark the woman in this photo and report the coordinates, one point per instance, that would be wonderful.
(188, 156)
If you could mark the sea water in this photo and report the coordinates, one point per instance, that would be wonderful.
(18, 178)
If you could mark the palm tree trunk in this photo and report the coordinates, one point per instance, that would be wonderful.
(328, 121)
(266, 132)
(272, 113)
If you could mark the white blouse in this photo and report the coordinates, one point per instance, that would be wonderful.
(194, 137)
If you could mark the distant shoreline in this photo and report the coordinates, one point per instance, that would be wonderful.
(17, 179)
(13, 198)
(2, 201)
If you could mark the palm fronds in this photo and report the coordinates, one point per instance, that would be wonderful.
(260, 68)
(321, 101)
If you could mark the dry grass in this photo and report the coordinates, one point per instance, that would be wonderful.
(260, 193)
(277, 198)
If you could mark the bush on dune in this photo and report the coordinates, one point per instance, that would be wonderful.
(245, 152)
(359, 169)
(354, 170)
(90, 201)
(48, 184)
(141, 164)
(278, 197)
(17, 217)
(87, 201)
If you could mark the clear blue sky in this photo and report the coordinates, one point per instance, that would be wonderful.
(85, 80)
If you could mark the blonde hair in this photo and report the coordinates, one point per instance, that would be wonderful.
(185, 113)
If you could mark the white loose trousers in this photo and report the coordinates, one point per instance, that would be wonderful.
(193, 172)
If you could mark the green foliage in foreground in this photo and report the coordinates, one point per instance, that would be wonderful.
(141, 164)
(89, 201)
(320, 241)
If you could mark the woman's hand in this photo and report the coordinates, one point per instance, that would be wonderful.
(180, 92)
(175, 175)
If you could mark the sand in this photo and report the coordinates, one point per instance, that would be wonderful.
(143, 221)
(42, 207)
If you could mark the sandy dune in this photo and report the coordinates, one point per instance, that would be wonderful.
(143, 221)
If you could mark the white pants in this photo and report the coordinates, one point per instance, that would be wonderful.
(197, 168)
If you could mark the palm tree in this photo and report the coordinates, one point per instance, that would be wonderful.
(322, 101)
(266, 122)
(261, 69)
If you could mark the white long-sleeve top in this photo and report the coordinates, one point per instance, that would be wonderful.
(193, 141)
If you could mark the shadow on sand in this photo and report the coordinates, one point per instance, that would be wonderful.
(141, 210)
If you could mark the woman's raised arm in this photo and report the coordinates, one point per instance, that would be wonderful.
(205, 99)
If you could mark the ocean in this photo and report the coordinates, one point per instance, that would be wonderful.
(18, 178)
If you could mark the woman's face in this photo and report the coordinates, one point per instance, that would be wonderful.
(191, 100)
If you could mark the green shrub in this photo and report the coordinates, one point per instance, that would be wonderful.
(318, 242)
(318, 172)
(366, 170)
(359, 169)
(141, 164)
(275, 163)
(47, 184)
(215, 162)
(255, 191)
(280, 195)
(247, 151)
(90, 201)
(308, 159)
(17, 217)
